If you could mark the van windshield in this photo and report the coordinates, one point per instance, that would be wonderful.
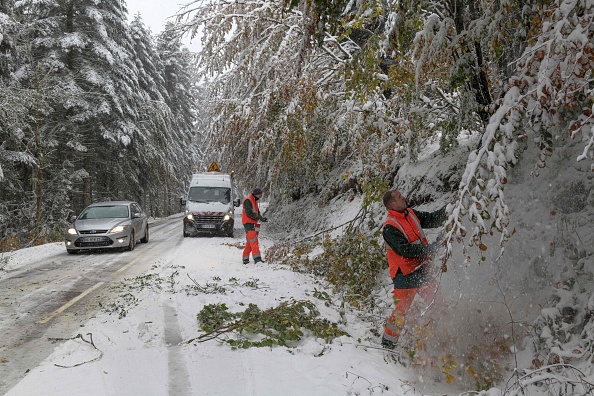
(209, 194)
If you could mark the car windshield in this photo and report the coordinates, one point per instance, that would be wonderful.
(105, 212)
(210, 194)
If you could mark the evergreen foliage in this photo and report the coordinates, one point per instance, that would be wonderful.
(90, 111)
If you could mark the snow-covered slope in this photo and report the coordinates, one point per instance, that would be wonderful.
(509, 311)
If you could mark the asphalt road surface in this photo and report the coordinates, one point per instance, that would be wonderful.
(55, 295)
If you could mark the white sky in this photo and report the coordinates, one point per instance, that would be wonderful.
(155, 13)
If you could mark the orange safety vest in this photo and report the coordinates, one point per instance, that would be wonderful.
(410, 226)
(245, 219)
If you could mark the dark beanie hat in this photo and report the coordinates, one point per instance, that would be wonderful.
(257, 191)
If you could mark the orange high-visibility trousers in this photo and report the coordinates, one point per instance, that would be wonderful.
(403, 299)
(251, 246)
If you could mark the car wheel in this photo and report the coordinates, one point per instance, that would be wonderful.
(132, 243)
(230, 234)
(146, 235)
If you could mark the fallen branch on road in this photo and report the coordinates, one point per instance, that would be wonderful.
(90, 341)
(280, 325)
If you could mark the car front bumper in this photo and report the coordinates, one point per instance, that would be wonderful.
(103, 241)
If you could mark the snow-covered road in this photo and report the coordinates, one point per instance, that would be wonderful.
(143, 313)
(46, 293)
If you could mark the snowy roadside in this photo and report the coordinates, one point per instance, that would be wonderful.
(137, 344)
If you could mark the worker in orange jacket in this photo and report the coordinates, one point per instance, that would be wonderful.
(409, 255)
(250, 219)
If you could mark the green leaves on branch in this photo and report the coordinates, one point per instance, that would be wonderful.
(350, 263)
(253, 327)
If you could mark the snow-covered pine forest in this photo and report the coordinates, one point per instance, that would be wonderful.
(91, 108)
(317, 102)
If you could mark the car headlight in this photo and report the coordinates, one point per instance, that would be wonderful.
(119, 228)
(227, 217)
(72, 231)
(190, 216)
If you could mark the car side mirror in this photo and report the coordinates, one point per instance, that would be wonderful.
(136, 215)
(182, 201)
(72, 218)
(236, 203)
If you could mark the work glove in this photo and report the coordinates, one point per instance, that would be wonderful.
(263, 219)
(433, 247)
(437, 244)
(440, 237)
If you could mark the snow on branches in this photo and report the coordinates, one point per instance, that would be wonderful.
(551, 96)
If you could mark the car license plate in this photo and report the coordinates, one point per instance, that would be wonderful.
(208, 226)
(93, 239)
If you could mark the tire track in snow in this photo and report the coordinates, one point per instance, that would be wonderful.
(248, 373)
(179, 379)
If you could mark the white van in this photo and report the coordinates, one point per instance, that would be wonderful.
(210, 204)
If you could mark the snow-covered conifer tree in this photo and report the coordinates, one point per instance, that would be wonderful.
(179, 78)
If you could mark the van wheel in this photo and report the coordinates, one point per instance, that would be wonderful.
(230, 234)
(186, 234)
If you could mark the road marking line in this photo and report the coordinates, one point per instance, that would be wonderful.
(125, 267)
(69, 303)
(83, 294)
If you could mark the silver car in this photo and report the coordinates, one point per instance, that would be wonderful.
(108, 225)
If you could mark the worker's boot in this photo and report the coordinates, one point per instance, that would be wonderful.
(387, 344)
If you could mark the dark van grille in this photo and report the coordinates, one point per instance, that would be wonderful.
(208, 219)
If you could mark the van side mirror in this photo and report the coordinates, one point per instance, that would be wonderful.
(236, 203)
(182, 201)
(73, 218)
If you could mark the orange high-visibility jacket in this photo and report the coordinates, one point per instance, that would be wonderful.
(245, 219)
(408, 223)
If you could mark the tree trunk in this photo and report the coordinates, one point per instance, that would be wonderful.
(478, 83)
(39, 158)
(165, 200)
(38, 182)
(86, 183)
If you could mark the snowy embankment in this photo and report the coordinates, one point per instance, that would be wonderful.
(529, 309)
